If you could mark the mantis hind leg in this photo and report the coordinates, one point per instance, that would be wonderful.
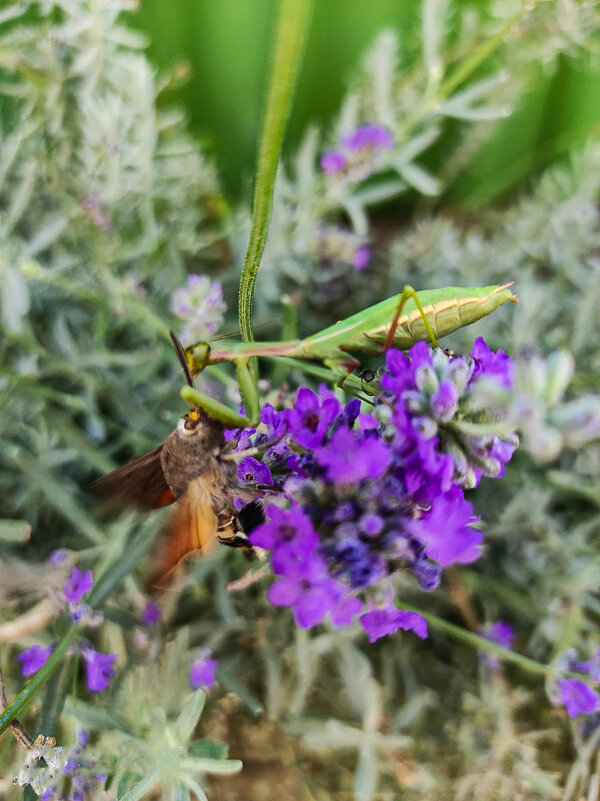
(408, 292)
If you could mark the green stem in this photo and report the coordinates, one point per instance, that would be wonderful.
(482, 644)
(291, 36)
(352, 385)
(40, 678)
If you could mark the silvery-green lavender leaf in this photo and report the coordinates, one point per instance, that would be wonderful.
(184, 726)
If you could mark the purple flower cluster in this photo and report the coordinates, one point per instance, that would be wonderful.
(373, 494)
(200, 305)
(358, 154)
(99, 667)
(58, 775)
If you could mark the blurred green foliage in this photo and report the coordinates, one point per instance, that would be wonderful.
(105, 207)
(226, 44)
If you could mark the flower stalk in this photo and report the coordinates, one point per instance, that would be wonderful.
(292, 30)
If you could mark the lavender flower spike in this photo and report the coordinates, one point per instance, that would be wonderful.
(34, 658)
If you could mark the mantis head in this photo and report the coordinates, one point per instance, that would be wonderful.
(197, 357)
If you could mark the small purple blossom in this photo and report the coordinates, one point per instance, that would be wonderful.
(34, 658)
(333, 162)
(307, 588)
(495, 365)
(386, 620)
(310, 418)
(362, 256)
(99, 669)
(202, 672)
(578, 697)
(349, 459)
(369, 136)
(445, 531)
(358, 154)
(58, 557)
(77, 585)
(151, 614)
(256, 472)
(500, 632)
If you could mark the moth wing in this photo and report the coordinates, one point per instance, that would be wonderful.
(192, 528)
(140, 482)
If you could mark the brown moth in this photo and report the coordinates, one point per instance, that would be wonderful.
(196, 469)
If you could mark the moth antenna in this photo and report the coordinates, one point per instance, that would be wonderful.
(179, 350)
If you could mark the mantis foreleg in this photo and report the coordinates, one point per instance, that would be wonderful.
(214, 408)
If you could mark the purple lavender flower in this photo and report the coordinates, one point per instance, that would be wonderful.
(151, 614)
(386, 620)
(358, 154)
(202, 672)
(497, 366)
(423, 394)
(374, 494)
(445, 533)
(333, 162)
(307, 588)
(578, 697)
(345, 611)
(362, 256)
(502, 634)
(99, 668)
(77, 585)
(201, 306)
(369, 136)
(349, 459)
(591, 667)
(256, 472)
(34, 658)
(58, 557)
(310, 418)
(289, 534)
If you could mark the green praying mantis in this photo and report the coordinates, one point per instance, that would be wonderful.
(399, 321)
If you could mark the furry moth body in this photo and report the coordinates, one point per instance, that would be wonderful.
(196, 469)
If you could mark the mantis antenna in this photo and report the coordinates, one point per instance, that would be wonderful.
(179, 350)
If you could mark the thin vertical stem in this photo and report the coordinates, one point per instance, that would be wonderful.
(292, 30)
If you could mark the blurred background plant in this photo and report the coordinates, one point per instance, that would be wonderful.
(108, 203)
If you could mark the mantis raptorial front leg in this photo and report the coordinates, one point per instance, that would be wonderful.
(220, 411)
(408, 292)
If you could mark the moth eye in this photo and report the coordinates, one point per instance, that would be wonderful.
(190, 425)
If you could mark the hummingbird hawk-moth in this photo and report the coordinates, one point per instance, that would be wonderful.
(195, 468)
